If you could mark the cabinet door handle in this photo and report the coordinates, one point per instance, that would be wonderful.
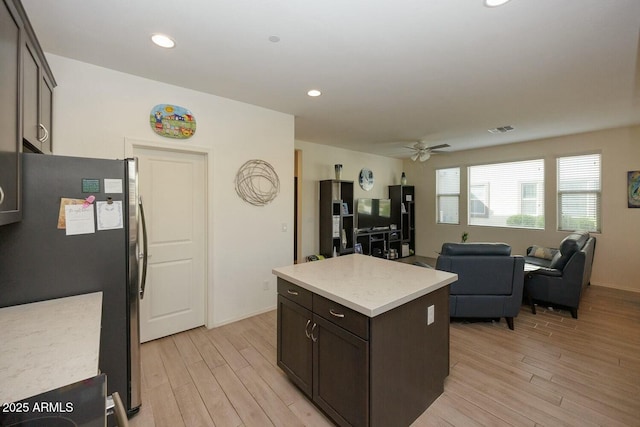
(333, 313)
(46, 133)
(1, 195)
(290, 292)
(313, 337)
(306, 329)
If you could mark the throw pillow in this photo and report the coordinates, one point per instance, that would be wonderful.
(542, 252)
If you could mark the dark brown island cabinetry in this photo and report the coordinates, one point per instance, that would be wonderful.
(364, 371)
(26, 96)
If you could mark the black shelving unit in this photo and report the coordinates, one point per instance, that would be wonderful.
(379, 242)
(403, 214)
(337, 219)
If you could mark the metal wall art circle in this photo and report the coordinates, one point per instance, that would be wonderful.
(257, 182)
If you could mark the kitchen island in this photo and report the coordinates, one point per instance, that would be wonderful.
(366, 339)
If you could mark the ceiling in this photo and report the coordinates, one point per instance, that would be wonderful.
(444, 71)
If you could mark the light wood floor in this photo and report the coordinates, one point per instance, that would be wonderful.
(551, 371)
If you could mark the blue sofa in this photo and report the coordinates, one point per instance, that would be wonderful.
(563, 275)
(490, 280)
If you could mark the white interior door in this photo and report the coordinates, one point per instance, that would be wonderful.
(172, 186)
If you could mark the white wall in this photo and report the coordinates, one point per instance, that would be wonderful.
(617, 244)
(95, 109)
(318, 164)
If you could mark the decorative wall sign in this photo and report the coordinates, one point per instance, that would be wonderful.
(633, 189)
(172, 121)
(257, 182)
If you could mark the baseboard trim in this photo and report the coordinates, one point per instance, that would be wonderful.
(620, 288)
(244, 316)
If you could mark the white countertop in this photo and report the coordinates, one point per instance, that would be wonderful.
(366, 284)
(48, 344)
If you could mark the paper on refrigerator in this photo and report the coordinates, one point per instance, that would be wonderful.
(64, 201)
(79, 219)
(109, 215)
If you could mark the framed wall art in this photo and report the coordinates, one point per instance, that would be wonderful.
(172, 121)
(633, 189)
(366, 179)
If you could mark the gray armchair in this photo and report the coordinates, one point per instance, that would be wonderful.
(490, 280)
(561, 280)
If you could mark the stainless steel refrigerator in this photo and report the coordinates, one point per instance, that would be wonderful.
(40, 261)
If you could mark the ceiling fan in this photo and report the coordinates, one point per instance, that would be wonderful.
(423, 152)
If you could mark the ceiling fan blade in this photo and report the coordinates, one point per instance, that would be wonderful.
(415, 156)
(435, 147)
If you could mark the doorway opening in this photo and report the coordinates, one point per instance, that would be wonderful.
(173, 187)
(297, 207)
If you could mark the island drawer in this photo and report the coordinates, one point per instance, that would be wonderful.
(295, 293)
(352, 321)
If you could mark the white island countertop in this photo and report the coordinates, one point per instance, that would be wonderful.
(48, 344)
(366, 284)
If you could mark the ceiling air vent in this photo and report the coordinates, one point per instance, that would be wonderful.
(502, 129)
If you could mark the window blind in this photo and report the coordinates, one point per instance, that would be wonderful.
(448, 195)
(507, 194)
(579, 193)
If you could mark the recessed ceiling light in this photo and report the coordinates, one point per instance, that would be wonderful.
(274, 39)
(163, 41)
(314, 92)
(494, 3)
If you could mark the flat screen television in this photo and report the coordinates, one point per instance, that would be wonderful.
(374, 213)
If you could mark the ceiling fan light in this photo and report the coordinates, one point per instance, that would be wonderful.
(425, 156)
(415, 156)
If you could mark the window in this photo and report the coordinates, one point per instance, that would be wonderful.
(579, 195)
(507, 194)
(448, 195)
(529, 199)
(479, 200)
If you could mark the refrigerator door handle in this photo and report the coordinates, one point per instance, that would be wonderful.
(144, 255)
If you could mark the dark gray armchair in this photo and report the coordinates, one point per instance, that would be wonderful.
(490, 280)
(561, 280)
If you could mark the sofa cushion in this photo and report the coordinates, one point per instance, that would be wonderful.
(541, 252)
(493, 249)
(580, 237)
(479, 275)
(569, 245)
